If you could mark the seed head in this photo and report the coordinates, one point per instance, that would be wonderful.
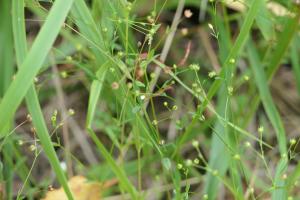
(188, 13)
(162, 142)
(212, 74)
(246, 78)
(247, 144)
(152, 75)
(210, 26)
(284, 176)
(237, 157)
(69, 58)
(251, 190)
(71, 112)
(231, 60)
(32, 147)
(195, 67)
(20, 142)
(78, 47)
(174, 107)
(154, 122)
(115, 85)
(142, 97)
(230, 90)
(189, 162)
(179, 166)
(29, 118)
(195, 143)
(184, 31)
(64, 74)
(33, 130)
(215, 172)
(293, 141)
(261, 129)
(36, 79)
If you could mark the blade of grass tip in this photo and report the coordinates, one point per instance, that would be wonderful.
(273, 115)
(33, 61)
(31, 96)
(95, 91)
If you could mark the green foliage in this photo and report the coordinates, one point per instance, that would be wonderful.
(184, 127)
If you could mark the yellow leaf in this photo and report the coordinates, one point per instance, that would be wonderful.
(81, 188)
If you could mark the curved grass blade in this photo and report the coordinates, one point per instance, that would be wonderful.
(33, 62)
(31, 96)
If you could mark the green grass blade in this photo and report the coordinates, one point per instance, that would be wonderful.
(285, 39)
(82, 15)
(296, 62)
(273, 115)
(6, 73)
(290, 30)
(221, 141)
(235, 50)
(95, 91)
(6, 52)
(117, 170)
(43, 135)
(31, 96)
(33, 61)
(89, 30)
(217, 146)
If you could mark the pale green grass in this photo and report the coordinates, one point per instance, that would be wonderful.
(198, 138)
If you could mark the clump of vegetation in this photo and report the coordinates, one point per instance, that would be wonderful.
(158, 99)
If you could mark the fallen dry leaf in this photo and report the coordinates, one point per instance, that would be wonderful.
(81, 188)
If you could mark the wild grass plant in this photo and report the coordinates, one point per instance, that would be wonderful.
(157, 99)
